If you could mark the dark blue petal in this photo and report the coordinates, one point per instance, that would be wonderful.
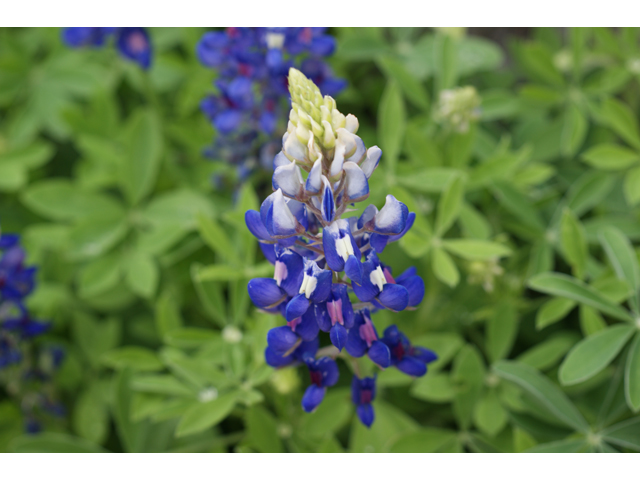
(289, 270)
(308, 328)
(307, 350)
(329, 369)
(410, 219)
(276, 360)
(323, 287)
(328, 206)
(415, 286)
(296, 307)
(379, 354)
(338, 335)
(394, 297)
(366, 414)
(134, 44)
(412, 366)
(322, 316)
(281, 339)
(353, 269)
(256, 227)
(424, 354)
(312, 397)
(392, 218)
(355, 346)
(378, 242)
(265, 292)
(269, 252)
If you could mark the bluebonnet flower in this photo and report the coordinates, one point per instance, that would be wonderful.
(404, 356)
(363, 392)
(252, 66)
(28, 367)
(321, 282)
(133, 43)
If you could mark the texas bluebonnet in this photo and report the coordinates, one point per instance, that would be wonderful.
(328, 276)
(252, 66)
(26, 368)
(133, 43)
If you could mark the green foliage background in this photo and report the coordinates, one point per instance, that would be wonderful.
(525, 238)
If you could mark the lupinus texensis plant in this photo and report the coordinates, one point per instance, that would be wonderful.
(321, 282)
(132, 42)
(25, 369)
(252, 66)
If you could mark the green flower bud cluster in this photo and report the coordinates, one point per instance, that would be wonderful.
(458, 107)
(314, 115)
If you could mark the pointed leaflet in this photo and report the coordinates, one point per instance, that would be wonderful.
(623, 259)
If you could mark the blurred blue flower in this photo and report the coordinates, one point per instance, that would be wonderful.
(363, 392)
(133, 43)
(252, 66)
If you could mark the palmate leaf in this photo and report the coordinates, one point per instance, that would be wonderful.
(544, 391)
(203, 416)
(562, 285)
(623, 259)
(593, 354)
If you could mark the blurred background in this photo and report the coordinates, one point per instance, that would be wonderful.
(128, 157)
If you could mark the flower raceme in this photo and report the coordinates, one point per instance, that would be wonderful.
(328, 276)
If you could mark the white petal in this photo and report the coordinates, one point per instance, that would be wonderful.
(314, 180)
(357, 184)
(280, 160)
(288, 179)
(283, 219)
(294, 148)
(352, 123)
(372, 160)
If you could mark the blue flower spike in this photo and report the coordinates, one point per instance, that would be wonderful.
(319, 269)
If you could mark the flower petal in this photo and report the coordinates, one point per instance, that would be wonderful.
(312, 398)
(338, 336)
(392, 219)
(412, 366)
(366, 414)
(379, 354)
(265, 292)
(394, 297)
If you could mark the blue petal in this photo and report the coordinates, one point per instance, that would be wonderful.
(410, 219)
(412, 366)
(392, 219)
(338, 335)
(265, 292)
(290, 266)
(297, 307)
(134, 44)
(329, 369)
(269, 252)
(281, 339)
(366, 414)
(307, 329)
(323, 287)
(378, 242)
(424, 354)
(329, 237)
(307, 350)
(355, 346)
(394, 297)
(312, 397)
(357, 188)
(275, 360)
(379, 354)
(322, 316)
(256, 227)
(366, 290)
(328, 206)
(353, 269)
(415, 286)
(227, 121)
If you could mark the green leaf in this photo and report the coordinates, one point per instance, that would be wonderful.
(552, 311)
(444, 268)
(50, 442)
(568, 287)
(217, 239)
(574, 242)
(203, 416)
(546, 354)
(390, 424)
(142, 274)
(517, 203)
(141, 163)
(190, 337)
(544, 391)
(60, 199)
(573, 132)
(217, 273)
(632, 376)
(624, 260)
(591, 321)
(422, 150)
(468, 377)
(435, 387)
(391, 124)
(95, 337)
(98, 276)
(412, 88)
(632, 186)
(474, 224)
(446, 49)
(429, 180)
(332, 414)
(608, 156)
(624, 434)
(476, 249)
(425, 440)
(593, 354)
(210, 296)
(90, 414)
(537, 60)
(262, 430)
(136, 358)
(622, 120)
(161, 384)
(94, 236)
(560, 446)
(167, 314)
(502, 329)
(489, 415)
(449, 205)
